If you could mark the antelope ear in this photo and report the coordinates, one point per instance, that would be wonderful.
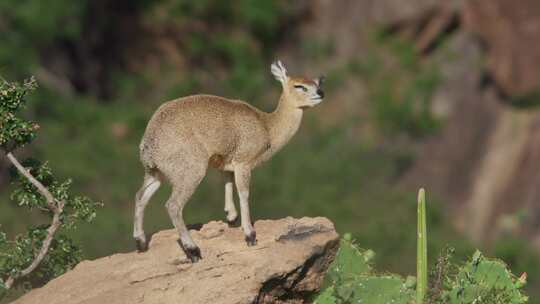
(279, 71)
(320, 80)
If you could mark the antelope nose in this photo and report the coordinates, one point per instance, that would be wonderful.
(320, 93)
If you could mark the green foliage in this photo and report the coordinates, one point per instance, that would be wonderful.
(17, 255)
(27, 195)
(15, 131)
(520, 255)
(486, 281)
(327, 296)
(479, 281)
(381, 289)
(352, 279)
(350, 262)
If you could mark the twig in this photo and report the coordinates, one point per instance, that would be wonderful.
(55, 206)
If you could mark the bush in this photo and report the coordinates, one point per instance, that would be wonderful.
(41, 253)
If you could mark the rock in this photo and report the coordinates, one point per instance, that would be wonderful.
(482, 163)
(286, 266)
(510, 33)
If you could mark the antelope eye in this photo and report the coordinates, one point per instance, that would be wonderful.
(303, 88)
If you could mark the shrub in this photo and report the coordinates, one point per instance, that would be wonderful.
(41, 253)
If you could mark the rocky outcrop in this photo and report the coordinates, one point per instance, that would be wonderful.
(286, 266)
(510, 33)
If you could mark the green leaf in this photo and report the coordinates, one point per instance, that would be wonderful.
(326, 297)
(410, 282)
(381, 290)
(350, 261)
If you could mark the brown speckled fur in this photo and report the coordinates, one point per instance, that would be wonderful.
(187, 135)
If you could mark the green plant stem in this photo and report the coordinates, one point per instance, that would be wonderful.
(421, 260)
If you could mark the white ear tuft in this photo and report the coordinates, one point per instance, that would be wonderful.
(279, 71)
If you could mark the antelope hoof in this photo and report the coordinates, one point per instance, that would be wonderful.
(251, 239)
(141, 245)
(194, 254)
(192, 251)
(232, 221)
(232, 218)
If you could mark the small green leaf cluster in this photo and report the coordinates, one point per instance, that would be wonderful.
(18, 254)
(484, 281)
(27, 195)
(15, 131)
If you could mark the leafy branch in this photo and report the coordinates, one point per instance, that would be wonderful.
(57, 207)
(41, 253)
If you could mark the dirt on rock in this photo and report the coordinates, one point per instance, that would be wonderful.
(286, 266)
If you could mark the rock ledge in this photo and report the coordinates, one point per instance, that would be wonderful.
(286, 266)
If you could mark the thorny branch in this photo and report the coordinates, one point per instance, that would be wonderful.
(54, 205)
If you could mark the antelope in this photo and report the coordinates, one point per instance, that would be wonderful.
(185, 136)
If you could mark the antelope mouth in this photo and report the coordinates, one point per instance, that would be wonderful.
(316, 100)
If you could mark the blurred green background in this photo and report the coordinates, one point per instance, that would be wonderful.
(105, 66)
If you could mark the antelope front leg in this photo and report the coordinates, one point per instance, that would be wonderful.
(230, 209)
(242, 177)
